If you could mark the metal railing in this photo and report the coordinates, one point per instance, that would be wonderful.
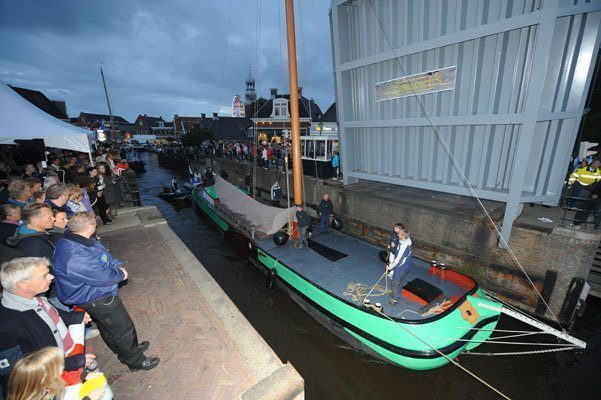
(130, 192)
(580, 201)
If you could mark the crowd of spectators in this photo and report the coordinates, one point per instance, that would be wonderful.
(57, 277)
(267, 155)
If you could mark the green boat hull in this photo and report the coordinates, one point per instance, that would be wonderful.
(417, 345)
(217, 220)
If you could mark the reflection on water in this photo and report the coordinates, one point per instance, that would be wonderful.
(334, 370)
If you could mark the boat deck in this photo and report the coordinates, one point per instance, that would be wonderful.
(356, 271)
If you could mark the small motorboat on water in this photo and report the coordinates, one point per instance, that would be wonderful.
(173, 192)
(170, 194)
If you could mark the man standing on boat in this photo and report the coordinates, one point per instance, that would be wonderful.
(209, 177)
(400, 263)
(394, 236)
(303, 220)
(276, 194)
(326, 209)
(248, 182)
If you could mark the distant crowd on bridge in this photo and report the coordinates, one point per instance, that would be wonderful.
(266, 155)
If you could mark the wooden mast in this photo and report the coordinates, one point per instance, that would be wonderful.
(108, 103)
(297, 170)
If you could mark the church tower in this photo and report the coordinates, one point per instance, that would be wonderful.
(250, 95)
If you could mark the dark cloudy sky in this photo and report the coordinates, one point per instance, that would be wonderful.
(161, 57)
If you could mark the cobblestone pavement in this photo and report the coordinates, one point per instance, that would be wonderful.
(197, 360)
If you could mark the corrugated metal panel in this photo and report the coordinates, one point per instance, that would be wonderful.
(493, 44)
(490, 80)
(408, 21)
(415, 153)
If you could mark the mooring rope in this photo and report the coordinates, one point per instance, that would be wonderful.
(356, 291)
(449, 359)
(374, 286)
(499, 342)
(518, 353)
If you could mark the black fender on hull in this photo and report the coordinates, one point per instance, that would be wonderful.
(270, 279)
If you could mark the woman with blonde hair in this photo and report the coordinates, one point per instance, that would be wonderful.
(37, 376)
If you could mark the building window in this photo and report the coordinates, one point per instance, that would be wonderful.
(280, 108)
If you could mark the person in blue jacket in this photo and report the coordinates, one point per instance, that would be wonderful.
(400, 263)
(87, 275)
(336, 164)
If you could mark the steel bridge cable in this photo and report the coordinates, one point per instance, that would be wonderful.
(256, 107)
(460, 170)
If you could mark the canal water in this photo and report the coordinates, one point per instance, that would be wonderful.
(334, 370)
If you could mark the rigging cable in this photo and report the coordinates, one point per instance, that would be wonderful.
(460, 170)
(227, 40)
(255, 110)
(449, 359)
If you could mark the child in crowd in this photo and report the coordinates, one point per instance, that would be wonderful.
(38, 376)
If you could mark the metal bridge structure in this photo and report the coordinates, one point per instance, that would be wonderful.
(504, 83)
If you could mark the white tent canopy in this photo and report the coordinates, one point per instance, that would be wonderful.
(19, 119)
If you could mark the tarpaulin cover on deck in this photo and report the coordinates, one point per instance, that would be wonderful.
(19, 119)
(262, 217)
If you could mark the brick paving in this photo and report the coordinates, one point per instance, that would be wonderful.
(197, 359)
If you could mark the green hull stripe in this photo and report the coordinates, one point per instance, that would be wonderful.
(210, 213)
(428, 357)
(389, 346)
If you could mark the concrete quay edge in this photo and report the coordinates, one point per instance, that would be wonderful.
(274, 379)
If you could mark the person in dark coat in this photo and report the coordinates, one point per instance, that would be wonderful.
(399, 264)
(96, 193)
(209, 177)
(32, 237)
(248, 182)
(276, 194)
(10, 215)
(394, 236)
(303, 220)
(57, 197)
(29, 322)
(60, 226)
(326, 210)
(20, 193)
(8, 253)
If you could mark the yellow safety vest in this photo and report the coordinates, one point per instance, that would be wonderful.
(585, 177)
